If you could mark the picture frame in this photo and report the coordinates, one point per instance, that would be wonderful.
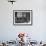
(22, 17)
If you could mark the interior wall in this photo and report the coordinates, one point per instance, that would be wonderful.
(38, 29)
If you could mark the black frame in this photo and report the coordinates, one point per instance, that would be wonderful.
(20, 23)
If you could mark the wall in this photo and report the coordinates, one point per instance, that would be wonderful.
(38, 30)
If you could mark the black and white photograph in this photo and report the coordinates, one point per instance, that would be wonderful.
(22, 17)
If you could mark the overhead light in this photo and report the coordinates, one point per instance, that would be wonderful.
(12, 1)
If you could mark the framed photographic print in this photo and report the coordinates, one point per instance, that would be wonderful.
(22, 17)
